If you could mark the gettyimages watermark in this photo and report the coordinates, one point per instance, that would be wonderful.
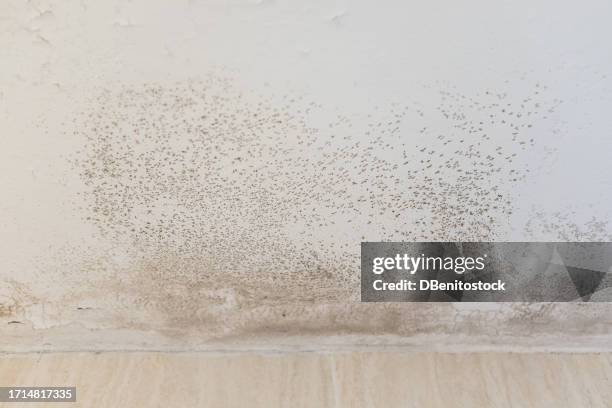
(486, 271)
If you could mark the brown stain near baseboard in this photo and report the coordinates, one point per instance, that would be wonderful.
(6, 310)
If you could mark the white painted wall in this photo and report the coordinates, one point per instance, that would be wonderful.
(351, 59)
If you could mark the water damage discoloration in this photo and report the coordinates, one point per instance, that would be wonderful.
(15, 299)
(236, 214)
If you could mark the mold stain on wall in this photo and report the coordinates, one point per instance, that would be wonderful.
(239, 213)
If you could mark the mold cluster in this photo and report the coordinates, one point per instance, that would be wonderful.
(225, 198)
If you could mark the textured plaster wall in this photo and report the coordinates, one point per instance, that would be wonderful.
(199, 174)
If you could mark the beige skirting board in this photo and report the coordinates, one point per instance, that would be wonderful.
(351, 379)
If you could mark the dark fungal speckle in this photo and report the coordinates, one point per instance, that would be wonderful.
(219, 193)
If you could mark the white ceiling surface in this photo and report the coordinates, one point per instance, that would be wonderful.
(350, 56)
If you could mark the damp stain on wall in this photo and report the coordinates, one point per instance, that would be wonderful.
(243, 212)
